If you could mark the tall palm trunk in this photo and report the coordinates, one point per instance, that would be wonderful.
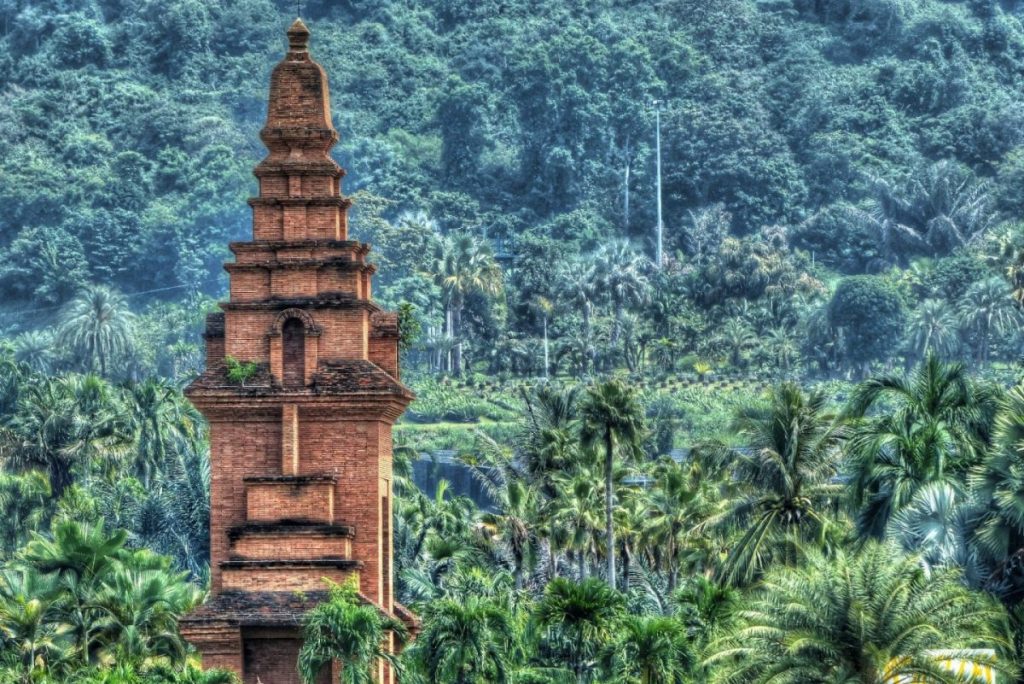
(609, 531)
(546, 362)
(457, 338)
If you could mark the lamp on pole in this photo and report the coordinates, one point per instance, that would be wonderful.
(657, 143)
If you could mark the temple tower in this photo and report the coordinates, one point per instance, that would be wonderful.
(301, 451)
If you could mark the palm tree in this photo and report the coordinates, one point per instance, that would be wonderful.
(736, 336)
(680, 502)
(545, 307)
(707, 608)
(578, 284)
(933, 329)
(343, 629)
(160, 419)
(442, 515)
(142, 600)
(935, 427)
(987, 309)
(578, 620)
(81, 557)
(996, 486)
(512, 523)
(34, 349)
(463, 265)
(788, 469)
(30, 628)
(465, 641)
(612, 417)
(24, 505)
(60, 424)
(619, 275)
(97, 327)
(870, 618)
(575, 510)
(652, 649)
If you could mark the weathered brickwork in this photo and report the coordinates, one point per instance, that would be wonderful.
(301, 454)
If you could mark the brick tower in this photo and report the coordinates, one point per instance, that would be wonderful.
(301, 452)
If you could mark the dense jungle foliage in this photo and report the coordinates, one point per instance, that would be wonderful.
(793, 451)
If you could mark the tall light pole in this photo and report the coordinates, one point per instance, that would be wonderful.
(657, 144)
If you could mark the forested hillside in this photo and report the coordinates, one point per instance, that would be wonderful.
(793, 450)
(803, 141)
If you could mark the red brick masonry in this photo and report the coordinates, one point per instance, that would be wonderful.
(300, 455)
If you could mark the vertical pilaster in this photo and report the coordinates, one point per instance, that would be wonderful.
(290, 439)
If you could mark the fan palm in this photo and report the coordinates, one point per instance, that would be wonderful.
(159, 419)
(30, 627)
(34, 349)
(619, 275)
(874, 617)
(612, 418)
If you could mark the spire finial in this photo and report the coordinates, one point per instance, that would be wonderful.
(298, 36)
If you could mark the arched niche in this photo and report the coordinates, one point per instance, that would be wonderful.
(293, 347)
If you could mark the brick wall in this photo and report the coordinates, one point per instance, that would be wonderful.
(274, 661)
(271, 502)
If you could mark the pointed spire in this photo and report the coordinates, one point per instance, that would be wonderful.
(298, 36)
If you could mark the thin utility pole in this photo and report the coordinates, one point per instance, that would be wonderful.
(657, 139)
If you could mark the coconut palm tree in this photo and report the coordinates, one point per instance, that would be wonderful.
(788, 467)
(343, 629)
(463, 265)
(612, 418)
(577, 622)
(871, 617)
(97, 327)
(465, 641)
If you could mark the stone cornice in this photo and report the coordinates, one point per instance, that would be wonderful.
(326, 300)
(340, 202)
(298, 264)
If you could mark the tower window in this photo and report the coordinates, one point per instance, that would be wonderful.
(293, 349)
